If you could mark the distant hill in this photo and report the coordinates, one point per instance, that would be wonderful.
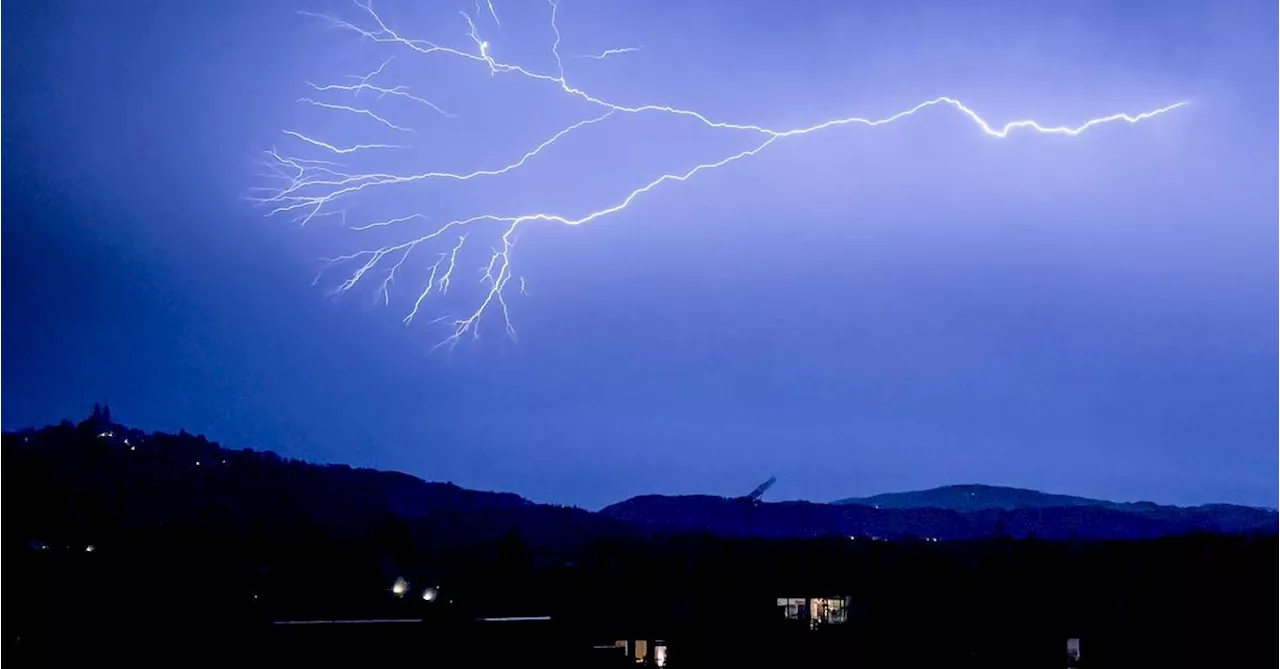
(975, 497)
(956, 512)
(738, 517)
(978, 500)
(98, 480)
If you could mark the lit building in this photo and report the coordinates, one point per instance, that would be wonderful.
(815, 611)
(648, 652)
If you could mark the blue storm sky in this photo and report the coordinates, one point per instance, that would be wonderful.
(856, 311)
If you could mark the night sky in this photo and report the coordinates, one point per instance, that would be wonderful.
(857, 311)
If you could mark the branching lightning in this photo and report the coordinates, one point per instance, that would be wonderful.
(309, 188)
(608, 53)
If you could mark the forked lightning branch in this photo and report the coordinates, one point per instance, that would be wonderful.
(311, 176)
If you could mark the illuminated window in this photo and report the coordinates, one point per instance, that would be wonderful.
(794, 608)
(816, 611)
(829, 610)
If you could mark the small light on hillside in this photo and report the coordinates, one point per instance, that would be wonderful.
(400, 587)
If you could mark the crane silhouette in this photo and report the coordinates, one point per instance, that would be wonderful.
(748, 504)
(755, 495)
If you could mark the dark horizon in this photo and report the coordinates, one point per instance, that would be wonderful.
(865, 310)
(767, 497)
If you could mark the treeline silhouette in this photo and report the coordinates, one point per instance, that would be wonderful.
(1073, 520)
(168, 549)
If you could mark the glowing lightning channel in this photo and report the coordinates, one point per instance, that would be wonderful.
(312, 188)
(340, 150)
(492, 12)
(607, 53)
(355, 110)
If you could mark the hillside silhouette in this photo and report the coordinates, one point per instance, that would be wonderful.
(977, 497)
(92, 478)
(96, 476)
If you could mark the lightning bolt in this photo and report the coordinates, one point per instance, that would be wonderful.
(307, 188)
(609, 53)
(492, 12)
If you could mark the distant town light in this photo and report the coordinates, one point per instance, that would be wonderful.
(400, 587)
(89, 548)
(429, 594)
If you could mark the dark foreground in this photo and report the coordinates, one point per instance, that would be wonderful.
(130, 549)
(1187, 602)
